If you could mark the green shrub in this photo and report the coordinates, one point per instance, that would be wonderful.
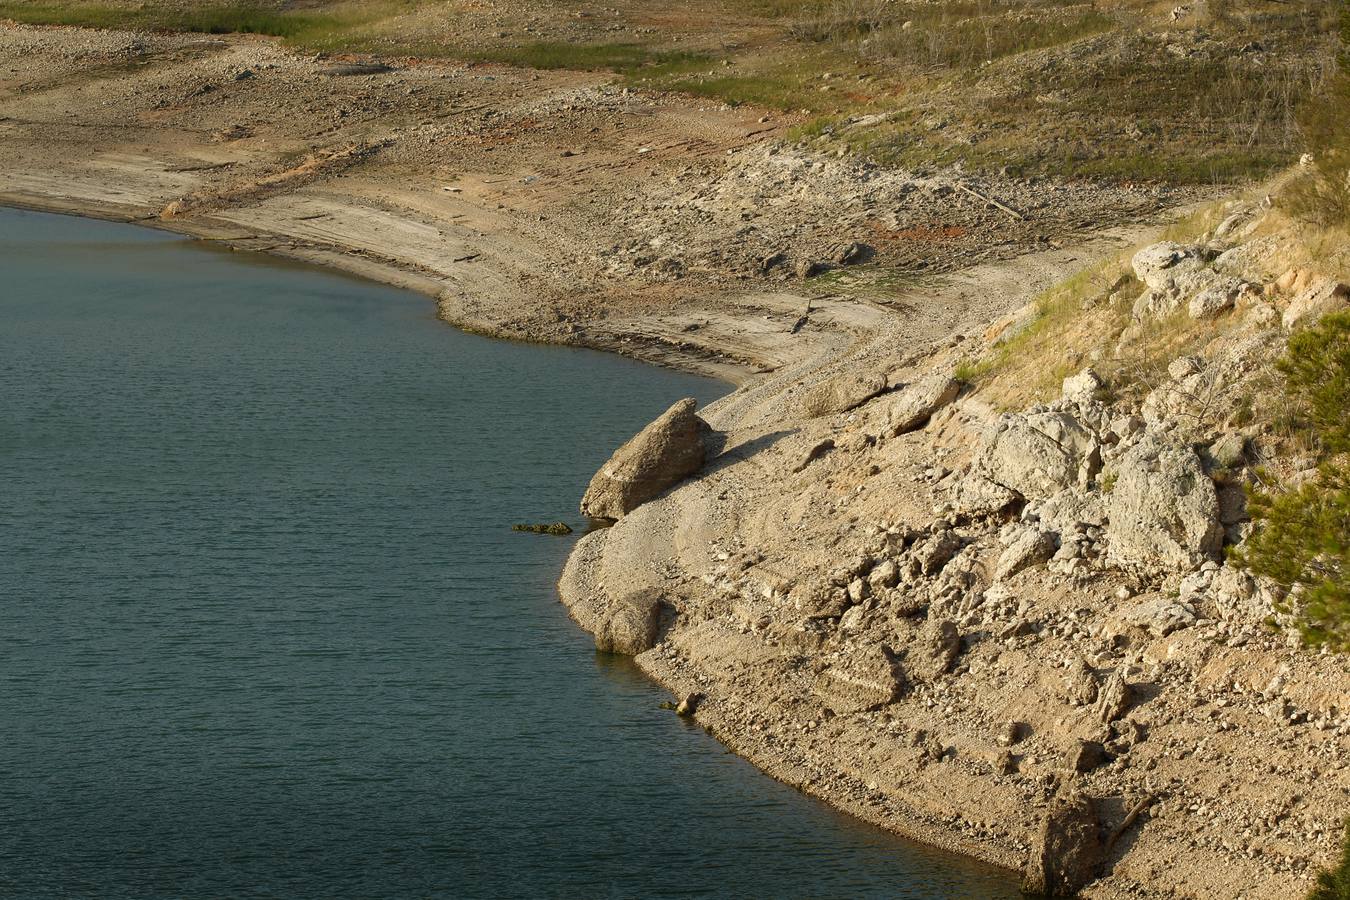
(1334, 884)
(1303, 542)
(1317, 372)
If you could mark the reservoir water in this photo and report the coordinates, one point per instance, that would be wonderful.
(265, 630)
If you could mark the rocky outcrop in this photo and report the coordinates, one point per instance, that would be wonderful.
(1323, 296)
(662, 455)
(1163, 510)
(1067, 851)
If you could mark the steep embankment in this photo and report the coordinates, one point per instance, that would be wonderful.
(957, 623)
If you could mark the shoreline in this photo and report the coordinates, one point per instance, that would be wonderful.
(660, 256)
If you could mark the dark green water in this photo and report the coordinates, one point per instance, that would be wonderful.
(264, 630)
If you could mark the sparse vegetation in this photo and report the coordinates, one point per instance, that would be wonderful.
(1111, 89)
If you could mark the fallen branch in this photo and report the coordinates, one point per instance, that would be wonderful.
(1130, 817)
(991, 201)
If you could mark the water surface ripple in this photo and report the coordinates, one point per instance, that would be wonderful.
(265, 632)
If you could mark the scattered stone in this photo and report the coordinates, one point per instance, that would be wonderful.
(1080, 684)
(1011, 733)
(932, 554)
(1160, 616)
(689, 705)
(1031, 548)
(1114, 698)
(848, 254)
(663, 454)
(1086, 756)
(808, 268)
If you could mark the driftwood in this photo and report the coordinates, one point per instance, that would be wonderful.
(991, 201)
(1130, 817)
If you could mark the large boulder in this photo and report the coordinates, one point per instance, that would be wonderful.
(1321, 297)
(870, 678)
(1163, 510)
(918, 401)
(842, 393)
(629, 626)
(1173, 273)
(663, 454)
(1158, 265)
(1038, 454)
(1068, 849)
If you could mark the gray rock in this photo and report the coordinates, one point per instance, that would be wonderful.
(936, 550)
(1327, 295)
(1230, 450)
(1160, 616)
(630, 625)
(1215, 299)
(871, 678)
(1163, 510)
(663, 454)
(1157, 264)
(1114, 698)
(934, 652)
(1071, 509)
(1038, 454)
(917, 402)
(1086, 385)
(1232, 504)
(1067, 851)
(1031, 548)
(977, 495)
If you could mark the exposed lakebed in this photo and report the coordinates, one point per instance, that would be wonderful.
(265, 628)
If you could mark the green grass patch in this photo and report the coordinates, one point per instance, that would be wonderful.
(304, 27)
(624, 58)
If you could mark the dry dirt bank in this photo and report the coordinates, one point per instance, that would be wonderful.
(951, 621)
(535, 205)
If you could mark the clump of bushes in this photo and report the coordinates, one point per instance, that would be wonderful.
(1303, 542)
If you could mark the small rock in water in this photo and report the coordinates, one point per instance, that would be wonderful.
(544, 528)
(689, 705)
